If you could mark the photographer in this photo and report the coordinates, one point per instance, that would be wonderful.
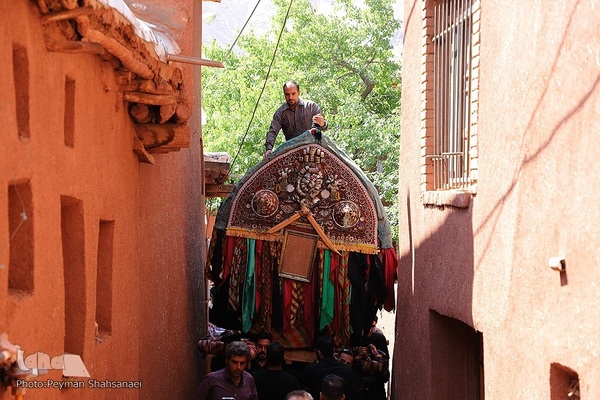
(374, 369)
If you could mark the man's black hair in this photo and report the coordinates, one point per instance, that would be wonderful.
(291, 83)
(324, 344)
(299, 393)
(264, 335)
(332, 387)
(348, 351)
(275, 354)
(237, 349)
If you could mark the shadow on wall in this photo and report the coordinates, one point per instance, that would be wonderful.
(196, 256)
(434, 321)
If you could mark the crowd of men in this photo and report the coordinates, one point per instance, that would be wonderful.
(348, 374)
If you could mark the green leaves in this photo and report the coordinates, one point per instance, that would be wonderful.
(342, 61)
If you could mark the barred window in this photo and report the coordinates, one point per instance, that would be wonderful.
(452, 87)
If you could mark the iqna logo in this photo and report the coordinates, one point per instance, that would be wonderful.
(71, 364)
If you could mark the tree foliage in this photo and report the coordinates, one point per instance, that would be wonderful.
(342, 61)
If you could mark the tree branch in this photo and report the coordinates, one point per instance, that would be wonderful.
(368, 82)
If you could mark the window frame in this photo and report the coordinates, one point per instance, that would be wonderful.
(449, 168)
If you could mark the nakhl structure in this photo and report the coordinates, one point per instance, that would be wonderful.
(302, 245)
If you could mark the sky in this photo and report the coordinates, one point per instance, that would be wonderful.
(223, 21)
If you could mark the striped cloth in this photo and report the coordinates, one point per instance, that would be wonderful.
(238, 272)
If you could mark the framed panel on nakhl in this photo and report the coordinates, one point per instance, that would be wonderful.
(297, 255)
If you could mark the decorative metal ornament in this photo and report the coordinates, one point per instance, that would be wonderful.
(346, 214)
(265, 203)
(308, 176)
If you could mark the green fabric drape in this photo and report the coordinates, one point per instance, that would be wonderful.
(328, 299)
(249, 296)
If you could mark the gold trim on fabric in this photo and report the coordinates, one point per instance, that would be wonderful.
(278, 237)
(245, 233)
(357, 248)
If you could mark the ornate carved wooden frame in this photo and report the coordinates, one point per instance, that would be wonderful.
(298, 255)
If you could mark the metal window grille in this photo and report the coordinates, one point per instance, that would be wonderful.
(452, 93)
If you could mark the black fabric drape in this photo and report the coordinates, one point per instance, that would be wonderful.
(216, 262)
(276, 299)
(357, 265)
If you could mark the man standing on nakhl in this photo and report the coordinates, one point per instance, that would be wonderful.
(294, 117)
(232, 381)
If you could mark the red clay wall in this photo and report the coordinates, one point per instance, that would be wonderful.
(536, 198)
(150, 216)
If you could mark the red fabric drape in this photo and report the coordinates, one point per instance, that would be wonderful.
(228, 245)
(257, 270)
(287, 303)
(390, 261)
(309, 306)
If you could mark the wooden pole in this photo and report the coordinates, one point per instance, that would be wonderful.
(67, 14)
(74, 46)
(154, 135)
(148, 98)
(140, 113)
(166, 112)
(140, 151)
(194, 60)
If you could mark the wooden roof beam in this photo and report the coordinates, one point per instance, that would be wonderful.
(222, 190)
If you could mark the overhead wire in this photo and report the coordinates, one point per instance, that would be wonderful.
(243, 27)
(264, 85)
